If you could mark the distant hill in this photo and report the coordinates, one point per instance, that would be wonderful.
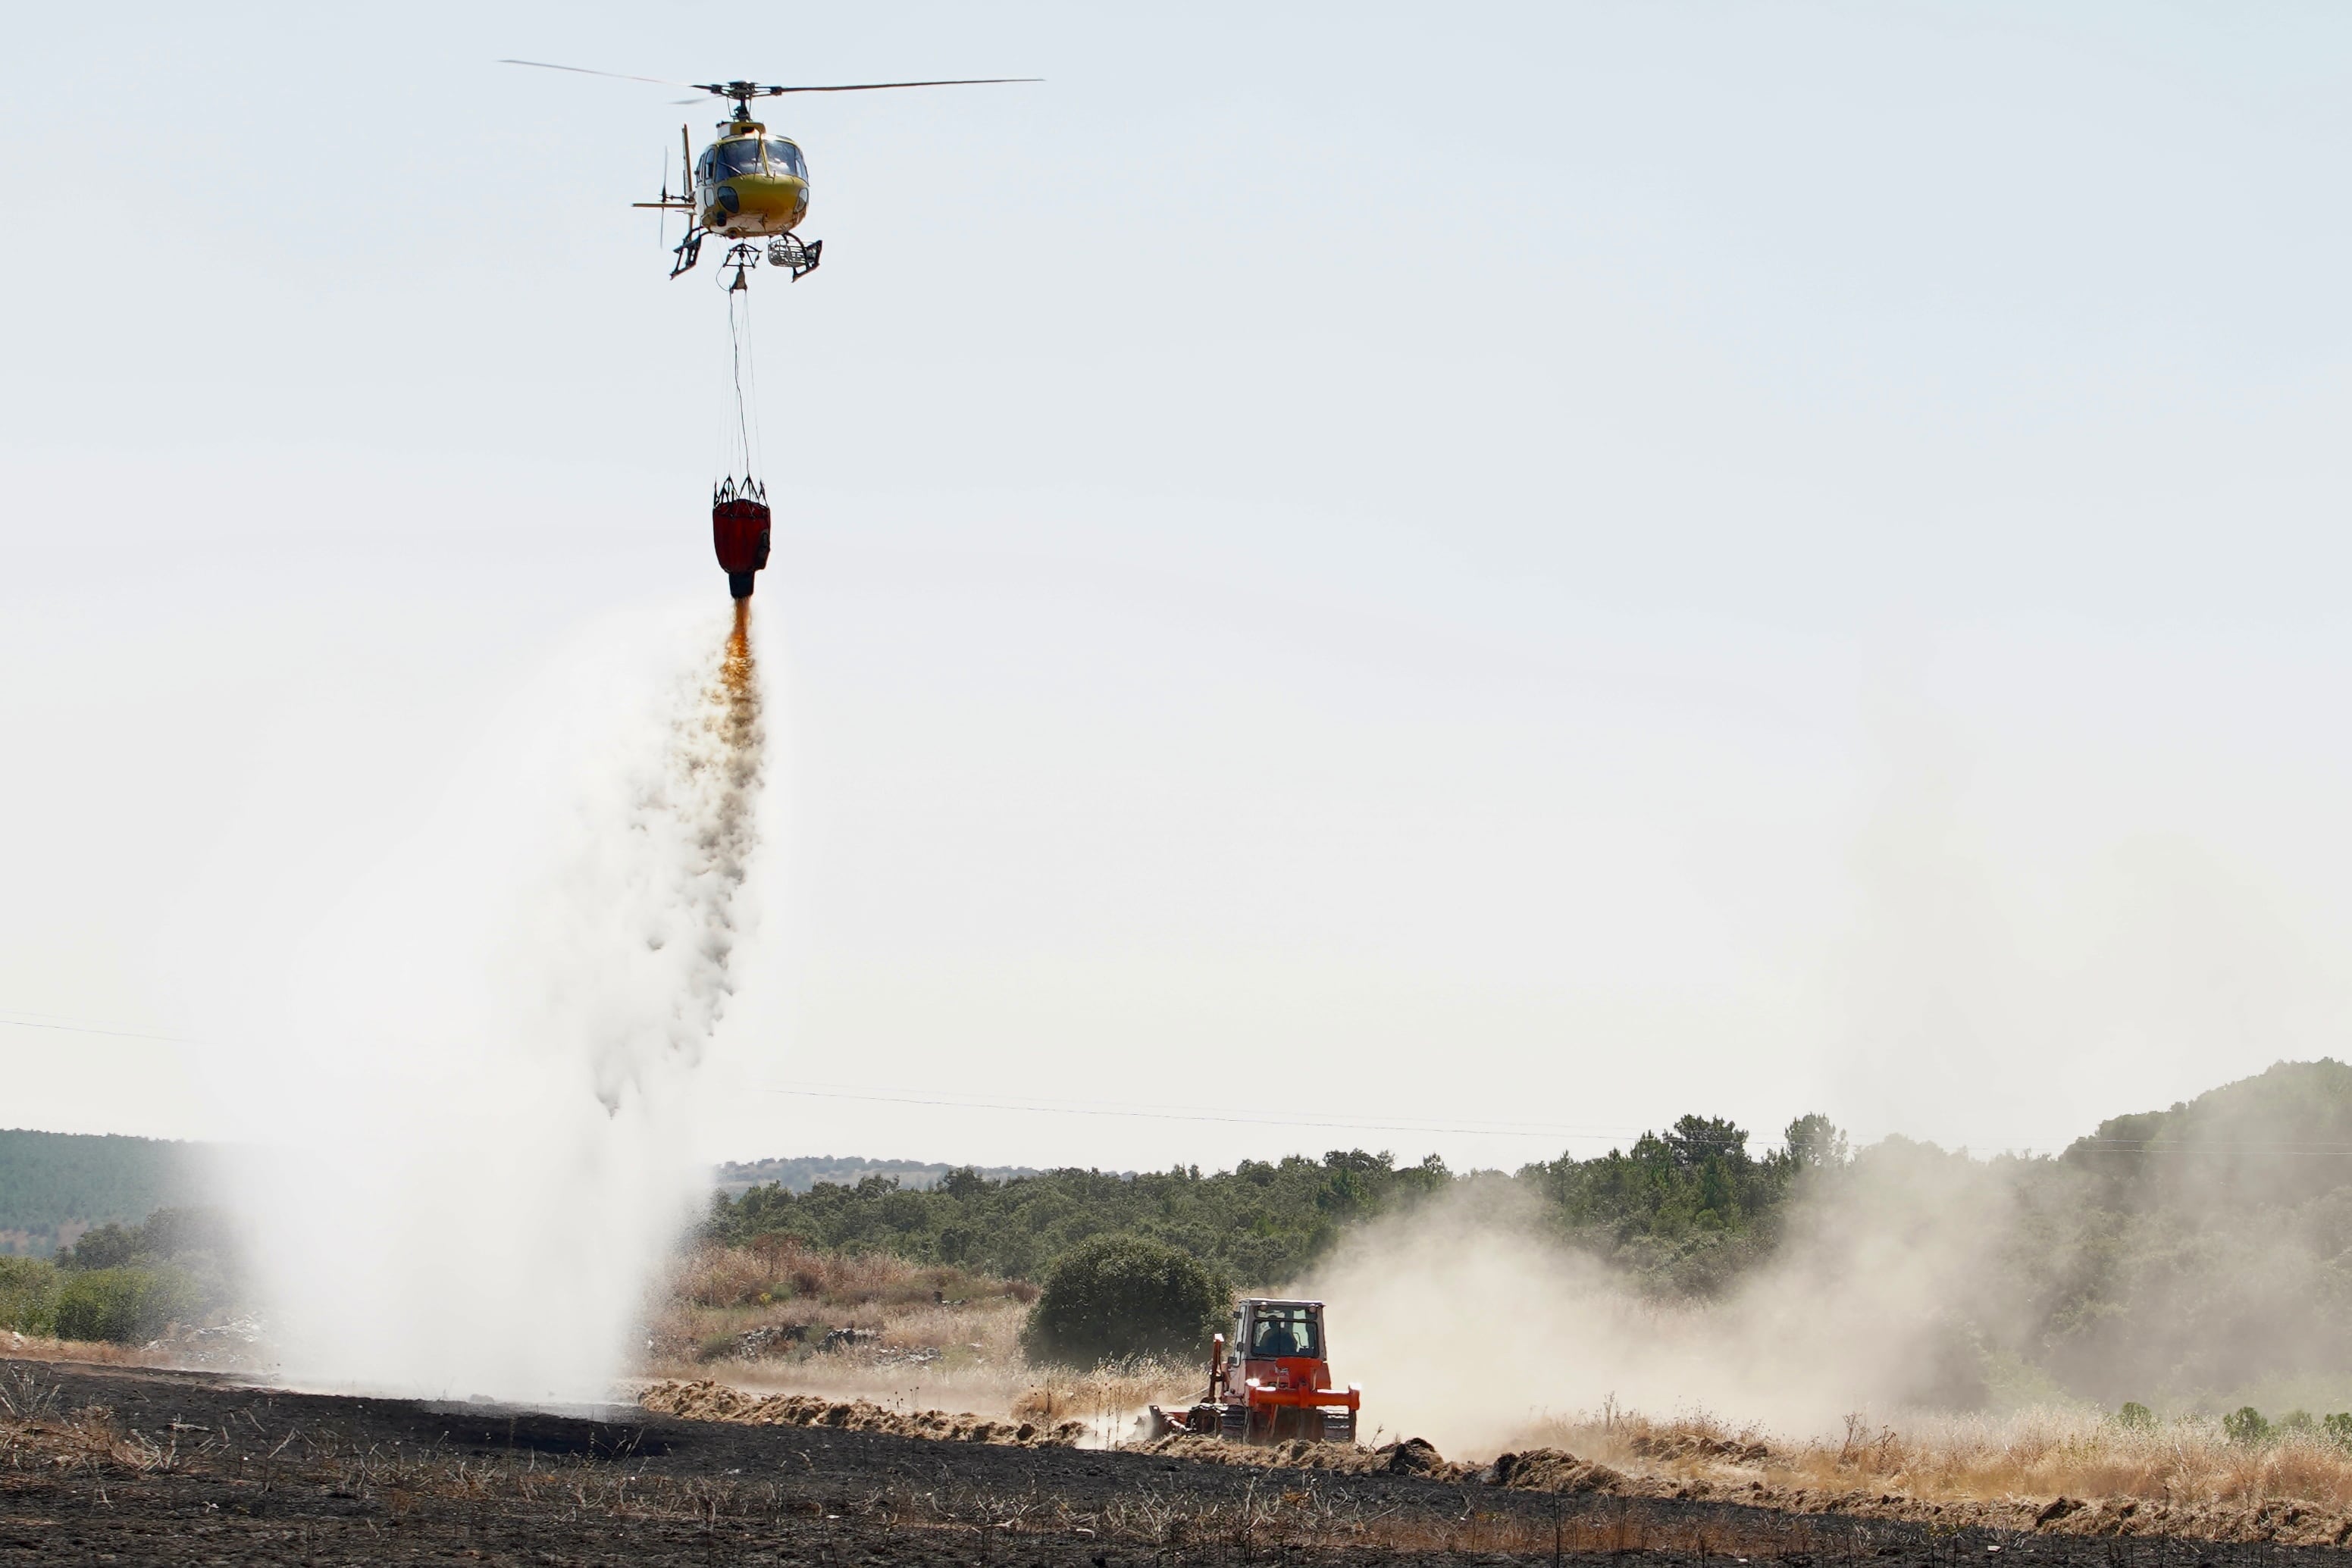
(55, 1186)
(801, 1174)
(2283, 1137)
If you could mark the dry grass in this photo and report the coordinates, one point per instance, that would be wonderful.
(715, 1295)
(98, 1353)
(1111, 1399)
(34, 1424)
(2044, 1452)
(942, 1338)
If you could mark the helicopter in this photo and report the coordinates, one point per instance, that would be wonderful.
(748, 185)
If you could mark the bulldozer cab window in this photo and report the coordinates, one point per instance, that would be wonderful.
(1284, 1330)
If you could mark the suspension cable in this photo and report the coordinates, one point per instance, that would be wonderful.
(739, 337)
(755, 454)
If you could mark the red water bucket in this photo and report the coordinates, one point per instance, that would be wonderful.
(739, 532)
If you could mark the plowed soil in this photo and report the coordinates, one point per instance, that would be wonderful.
(128, 1464)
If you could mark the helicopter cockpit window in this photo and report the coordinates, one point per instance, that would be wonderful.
(783, 158)
(706, 168)
(739, 157)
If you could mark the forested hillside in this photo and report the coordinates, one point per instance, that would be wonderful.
(49, 1180)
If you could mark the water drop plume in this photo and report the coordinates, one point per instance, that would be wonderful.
(476, 1099)
(705, 801)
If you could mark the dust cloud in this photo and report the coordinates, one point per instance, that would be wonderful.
(2194, 1260)
(474, 1109)
(1467, 1326)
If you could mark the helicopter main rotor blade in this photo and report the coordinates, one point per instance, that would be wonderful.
(763, 89)
(871, 86)
(616, 76)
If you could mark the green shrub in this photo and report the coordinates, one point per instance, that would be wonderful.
(2135, 1414)
(1124, 1295)
(108, 1245)
(2339, 1427)
(2296, 1421)
(124, 1306)
(29, 1295)
(2245, 1425)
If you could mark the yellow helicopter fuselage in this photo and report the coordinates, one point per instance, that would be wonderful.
(749, 184)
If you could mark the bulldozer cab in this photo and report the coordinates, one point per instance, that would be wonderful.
(1279, 1331)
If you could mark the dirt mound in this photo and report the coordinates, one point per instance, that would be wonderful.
(1538, 1469)
(1551, 1469)
(1413, 1457)
(703, 1400)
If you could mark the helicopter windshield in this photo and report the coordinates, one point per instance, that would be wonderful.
(739, 157)
(783, 158)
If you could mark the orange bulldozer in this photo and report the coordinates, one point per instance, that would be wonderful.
(1274, 1384)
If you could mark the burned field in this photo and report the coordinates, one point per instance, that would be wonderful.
(136, 1465)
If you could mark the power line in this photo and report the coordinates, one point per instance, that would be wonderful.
(38, 1023)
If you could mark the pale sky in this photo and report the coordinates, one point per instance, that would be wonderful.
(1431, 567)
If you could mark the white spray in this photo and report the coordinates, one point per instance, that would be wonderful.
(477, 1114)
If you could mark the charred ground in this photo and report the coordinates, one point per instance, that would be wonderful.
(136, 1465)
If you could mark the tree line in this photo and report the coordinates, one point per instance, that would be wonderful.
(1683, 1208)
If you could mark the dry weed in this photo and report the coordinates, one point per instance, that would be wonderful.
(760, 1318)
(38, 1347)
(1111, 1398)
(2043, 1452)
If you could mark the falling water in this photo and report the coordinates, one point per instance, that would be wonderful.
(481, 1104)
(704, 805)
